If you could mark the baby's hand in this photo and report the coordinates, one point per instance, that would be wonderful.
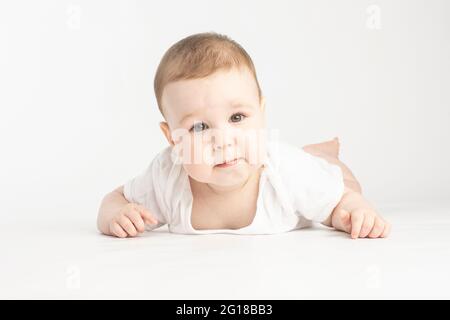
(130, 221)
(356, 216)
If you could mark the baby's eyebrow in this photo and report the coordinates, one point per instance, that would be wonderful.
(240, 105)
(191, 114)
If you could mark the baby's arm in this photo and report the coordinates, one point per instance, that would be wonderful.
(355, 215)
(120, 218)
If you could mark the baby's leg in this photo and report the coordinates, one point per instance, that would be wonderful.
(329, 150)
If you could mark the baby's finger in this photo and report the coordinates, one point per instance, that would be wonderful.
(367, 226)
(117, 230)
(357, 219)
(146, 215)
(127, 225)
(136, 219)
(387, 229)
(377, 229)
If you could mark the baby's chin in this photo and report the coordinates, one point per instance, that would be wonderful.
(229, 180)
(223, 176)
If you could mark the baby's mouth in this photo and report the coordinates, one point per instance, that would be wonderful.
(228, 163)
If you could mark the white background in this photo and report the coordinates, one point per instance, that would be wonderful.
(79, 117)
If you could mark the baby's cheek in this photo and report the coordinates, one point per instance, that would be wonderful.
(191, 150)
(255, 149)
(201, 151)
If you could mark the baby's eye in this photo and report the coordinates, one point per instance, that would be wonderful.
(199, 126)
(237, 117)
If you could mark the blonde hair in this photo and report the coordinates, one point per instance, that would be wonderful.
(198, 56)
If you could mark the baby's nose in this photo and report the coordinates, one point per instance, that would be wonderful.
(221, 140)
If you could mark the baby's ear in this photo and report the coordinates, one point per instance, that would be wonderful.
(166, 131)
(262, 103)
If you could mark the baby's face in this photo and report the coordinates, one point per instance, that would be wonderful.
(217, 126)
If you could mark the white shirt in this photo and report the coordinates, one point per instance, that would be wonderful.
(295, 188)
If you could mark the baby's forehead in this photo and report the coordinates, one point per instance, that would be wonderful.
(228, 88)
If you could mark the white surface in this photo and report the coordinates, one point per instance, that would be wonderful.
(43, 259)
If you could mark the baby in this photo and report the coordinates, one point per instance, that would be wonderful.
(223, 172)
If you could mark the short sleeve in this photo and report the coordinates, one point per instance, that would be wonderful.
(143, 190)
(314, 185)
